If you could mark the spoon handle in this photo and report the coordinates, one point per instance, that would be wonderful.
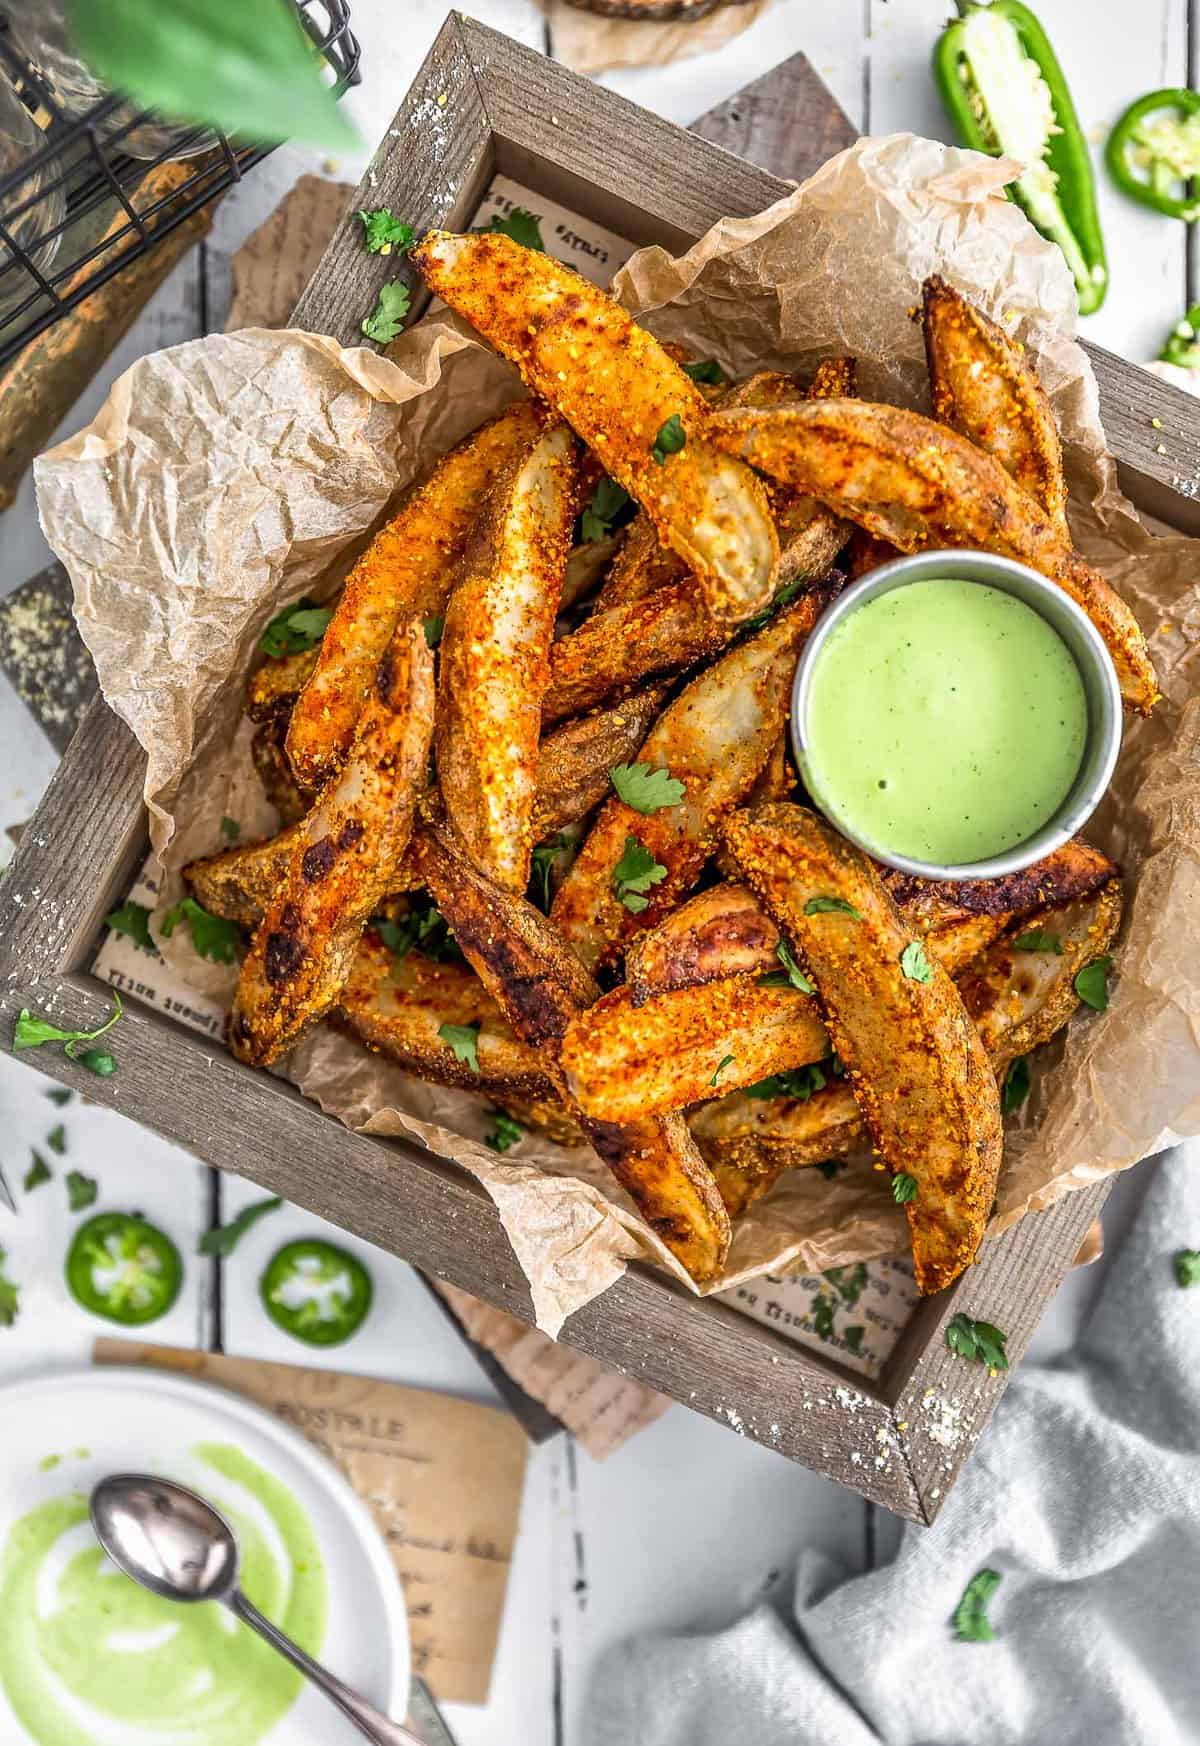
(377, 1727)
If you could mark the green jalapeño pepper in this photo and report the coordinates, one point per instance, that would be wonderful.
(123, 1269)
(1153, 153)
(1006, 95)
(316, 1292)
(1182, 345)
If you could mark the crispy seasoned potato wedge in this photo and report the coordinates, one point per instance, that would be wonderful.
(834, 379)
(494, 659)
(544, 1115)
(915, 1061)
(620, 650)
(866, 553)
(614, 383)
(586, 567)
(715, 738)
(397, 1008)
(985, 387)
(239, 883)
(917, 483)
(343, 861)
(642, 565)
(276, 684)
(539, 985)
(574, 761)
(1072, 871)
(275, 773)
(1016, 1000)
(406, 571)
(723, 931)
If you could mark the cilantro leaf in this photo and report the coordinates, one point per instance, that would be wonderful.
(720, 1068)
(633, 874)
(1187, 1265)
(31, 1032)
(464, 1041)
(706, 370)
(791, 976)
(821, 1310)
(609, 500)
(904, 1188)
(970, 1620)
(423, 926)
(783, 597)
(980, 1342)
(383, 232)
(915, 964)
(1016, 1085)
(224, 1239)
(506, 1132)
(60, 1096)
(231, 830)
(1038, 940)
(830, 1167)
(645, 788)
(830, 905)
(133, 919)
(81, 1190)
(9, 1297)
(670, 439)
(212, 936)
(387, 317)
(521, 226)
(847, 1281)
(1091, 984)
(39, 1171)
(854, 1338)
(295, 629)
(433, 627)
(542, 865)
(56, 1139)
(798, 1082)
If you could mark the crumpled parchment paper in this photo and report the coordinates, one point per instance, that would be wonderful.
(587, 42)
(226, 477)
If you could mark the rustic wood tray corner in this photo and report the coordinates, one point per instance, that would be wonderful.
(506, 109)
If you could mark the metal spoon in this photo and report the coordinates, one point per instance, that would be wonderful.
(177, 1545)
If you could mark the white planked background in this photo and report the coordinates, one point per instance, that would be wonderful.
(687, 1525)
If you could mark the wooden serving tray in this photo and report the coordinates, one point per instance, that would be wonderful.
(510, 110)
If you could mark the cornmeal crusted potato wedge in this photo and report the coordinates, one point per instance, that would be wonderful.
(398, 1007)
(275, 773)
(1017, 999)
(539, 985)
(494, 659)
(405, 572)
(619, 650)
(343, 861)
(917, 483)
(275, 685)
(985, 388)
(613, 382)
(715, 738)
(916, 1064)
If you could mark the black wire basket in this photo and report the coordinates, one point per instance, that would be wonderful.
(95, 207)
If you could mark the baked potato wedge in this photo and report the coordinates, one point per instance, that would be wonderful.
(626, 647)
(917, 483)
(539, 985)
(405, 572)
(626, 397)
(343, 861)
(494, 658)
(915, 1062)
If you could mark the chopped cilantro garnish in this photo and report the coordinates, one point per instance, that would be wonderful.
(505, 1133)
(1091, 984)
(212, 936)
(1016, 1085)
(799, 1082)
(633, 875)
(971, 1623)
(670, 439)
(383, 232)
(979, 1341)
(464, 1041)
(904, 1188)
(854, 1338)
(791, 976)
(720, 1068)
(296, 628)
(224, 1239)
(81, 1190)
(543, 859)
(31, 1032)
(847, 1281)
(133, 919)
(645, 788)
(231, 830)
(60, 1095)
(423, 926)
(39, 1171)
(830, 1167)
(387, 317)
(521, 226)
(608, 501)
(706, 370)
(783, 597)
(1187, 1265)
(915, 964)
(56, 1139)
(1038, 940)
(829, 905)
(433, 627)
(9, 1297)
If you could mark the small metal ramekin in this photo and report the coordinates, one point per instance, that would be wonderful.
(1095, 666)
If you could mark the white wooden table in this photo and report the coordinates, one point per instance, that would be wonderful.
(687, 1525)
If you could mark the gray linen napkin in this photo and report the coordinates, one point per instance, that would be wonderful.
(1084, 1493)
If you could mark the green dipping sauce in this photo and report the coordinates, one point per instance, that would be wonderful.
(88, 1657)
(946, 722)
